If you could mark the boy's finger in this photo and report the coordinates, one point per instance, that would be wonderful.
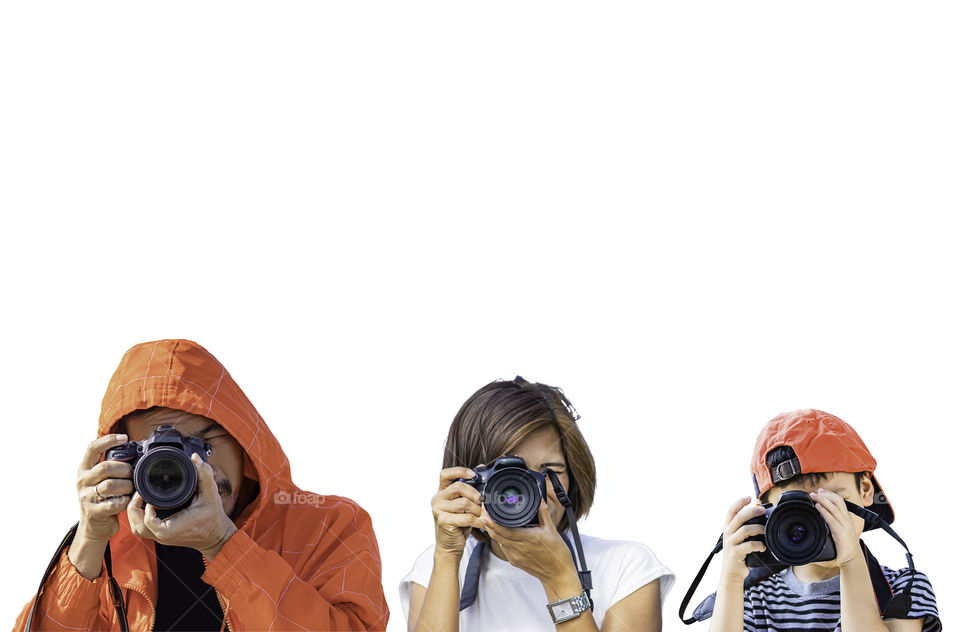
(734, 509)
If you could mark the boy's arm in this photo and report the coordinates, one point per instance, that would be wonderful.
(728, 608)
(858, 604)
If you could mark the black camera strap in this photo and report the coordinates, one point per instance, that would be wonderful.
(471, 581)
(586, 580)
(115, 593)
(890, 606)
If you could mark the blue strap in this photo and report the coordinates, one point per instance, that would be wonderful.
(471, 583)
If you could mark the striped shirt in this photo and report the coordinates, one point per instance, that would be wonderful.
(783, 602)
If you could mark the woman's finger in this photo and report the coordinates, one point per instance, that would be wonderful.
(459, 520)
(451, 474)
(458, 506)
(459, 488)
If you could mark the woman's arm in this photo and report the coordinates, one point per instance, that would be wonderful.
(439, 602)
(637, 612)
(456, 510)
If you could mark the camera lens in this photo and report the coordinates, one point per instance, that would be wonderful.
(512, 497)
(796, 533)
(166, 478)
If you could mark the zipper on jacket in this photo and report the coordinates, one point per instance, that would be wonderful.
(153, 608)
(223, 607)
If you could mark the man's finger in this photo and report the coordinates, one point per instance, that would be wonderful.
(98, 446)
(135, 512)
(153, 521)
(206, 482)
(114, 487)
(109, 507)
(106, 470)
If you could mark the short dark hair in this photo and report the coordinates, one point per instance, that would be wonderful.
(782, 454)
(500, 415)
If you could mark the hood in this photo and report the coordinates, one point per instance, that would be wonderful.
(182, 375)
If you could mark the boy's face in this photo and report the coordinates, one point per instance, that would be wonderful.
(843, 484)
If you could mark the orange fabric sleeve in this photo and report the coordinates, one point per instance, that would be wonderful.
(338, 588)
(69, 601)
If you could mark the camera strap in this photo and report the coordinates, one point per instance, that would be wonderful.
(471, 581)
(890, 606)
(586, 580)
(115, 593)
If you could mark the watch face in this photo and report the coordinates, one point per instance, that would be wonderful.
(564, 610)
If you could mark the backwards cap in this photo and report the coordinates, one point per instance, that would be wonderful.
(823, 443)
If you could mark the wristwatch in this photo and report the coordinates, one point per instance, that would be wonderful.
(569, 608)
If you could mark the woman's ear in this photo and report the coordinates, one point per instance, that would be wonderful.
(866, 489)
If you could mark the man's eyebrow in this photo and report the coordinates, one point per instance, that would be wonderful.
(213, 426)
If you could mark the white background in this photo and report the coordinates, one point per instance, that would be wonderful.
(691, 216)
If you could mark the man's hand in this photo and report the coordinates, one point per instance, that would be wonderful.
(104, 489)
(540, 551)
(845, 528)
(202, 525)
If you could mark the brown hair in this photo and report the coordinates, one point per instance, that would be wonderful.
(496, 418)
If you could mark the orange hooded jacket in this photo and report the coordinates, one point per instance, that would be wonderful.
(291, 565)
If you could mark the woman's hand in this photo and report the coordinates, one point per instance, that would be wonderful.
(540, 551)
(456, 509)
(735, 546)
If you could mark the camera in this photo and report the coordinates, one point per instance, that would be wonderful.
(511, 492)
(162, 470)
(794, 532)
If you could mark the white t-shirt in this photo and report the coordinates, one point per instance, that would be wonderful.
(618, 569)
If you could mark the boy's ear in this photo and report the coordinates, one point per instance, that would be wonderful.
(866, 489)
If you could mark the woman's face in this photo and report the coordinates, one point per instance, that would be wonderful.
(540, 450)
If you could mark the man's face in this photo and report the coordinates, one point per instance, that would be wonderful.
(226, 456)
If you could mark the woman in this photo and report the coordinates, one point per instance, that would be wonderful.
(510, 575)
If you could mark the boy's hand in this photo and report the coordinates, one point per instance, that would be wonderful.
(735, 549)
(845, 528)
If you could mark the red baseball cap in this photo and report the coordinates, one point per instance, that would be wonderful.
(823, 443)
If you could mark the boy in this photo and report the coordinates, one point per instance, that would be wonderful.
(817, 453)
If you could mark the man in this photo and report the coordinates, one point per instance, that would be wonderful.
(250, 552)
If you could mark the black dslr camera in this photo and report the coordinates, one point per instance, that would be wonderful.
(162, 470)
(511, 492)
(795, 533)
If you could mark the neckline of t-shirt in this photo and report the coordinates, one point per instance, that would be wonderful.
(803, 589)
